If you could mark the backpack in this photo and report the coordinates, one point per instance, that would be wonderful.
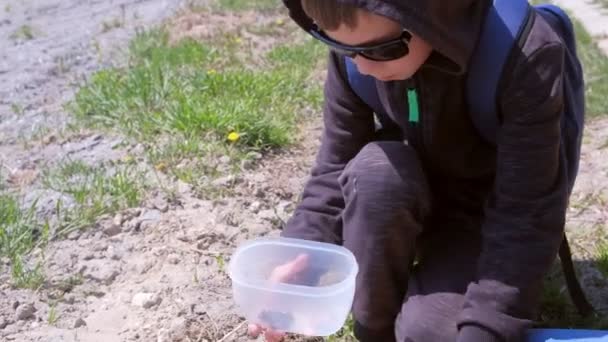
(506, 22)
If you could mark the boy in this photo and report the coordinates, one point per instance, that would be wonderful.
(483, 222)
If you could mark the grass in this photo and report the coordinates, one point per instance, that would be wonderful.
(20, 233)
(17, 109)
(595, 64)
(53, 316)
(602, 262)
(344, 334)
(242, 5)
(107, 26)
(192, 100)
(95, 191)
(557, 310)
(24, 32)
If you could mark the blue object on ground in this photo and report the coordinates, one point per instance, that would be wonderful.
(567, 335)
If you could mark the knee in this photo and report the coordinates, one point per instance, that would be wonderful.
(428, 318)
(386, 171)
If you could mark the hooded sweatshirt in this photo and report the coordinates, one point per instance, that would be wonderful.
(515, 191)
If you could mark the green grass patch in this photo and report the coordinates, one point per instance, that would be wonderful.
(557, 310)
(194, 101)
(345, 334)
(243, 5)
(20, 233)
(179, 90)
(24, 32)
(602, 262)
(595, 65)
(95, 191)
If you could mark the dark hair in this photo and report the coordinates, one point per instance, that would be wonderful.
(330, 14)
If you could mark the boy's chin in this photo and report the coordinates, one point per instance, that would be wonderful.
(395, 77)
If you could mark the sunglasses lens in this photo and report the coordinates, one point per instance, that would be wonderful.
(387, 53)
(344, 52)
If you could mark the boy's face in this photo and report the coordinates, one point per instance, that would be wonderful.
(372, 28)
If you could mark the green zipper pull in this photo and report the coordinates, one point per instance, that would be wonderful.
(412, 100)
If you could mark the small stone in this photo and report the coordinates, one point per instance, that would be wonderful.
(25, 311)
(118, 219)
(183, 238)
(178, 329)
(112, 230)
(79, 323)
(69, 299)
(160, 204)
(163, 335)
(197, 309)
(100, 247)
(255, 206)
(75, 235)
(224, 160)
(114, 253)
(149, 218)
(146, 300)
(255, 155)
(131, 213)
(15, 305)
(260, 193)
(225, 181)
(247, 164)
(267, 214)
(3, 323)
(101, 271)
(49, 139)
(173, 259)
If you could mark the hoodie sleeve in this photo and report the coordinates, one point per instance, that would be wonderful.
(348, 126)
(525, 213)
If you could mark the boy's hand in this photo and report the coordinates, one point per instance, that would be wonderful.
(284, 273)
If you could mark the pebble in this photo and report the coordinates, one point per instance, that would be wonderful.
(3, 323)
(146, 300)
(112, 230)
(25, 311)
(173, 259)
(79, 323)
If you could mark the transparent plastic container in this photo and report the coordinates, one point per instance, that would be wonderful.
(315, 301)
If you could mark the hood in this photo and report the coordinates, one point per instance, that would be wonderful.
(452, 27)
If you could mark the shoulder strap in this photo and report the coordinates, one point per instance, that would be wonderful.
(503, 26)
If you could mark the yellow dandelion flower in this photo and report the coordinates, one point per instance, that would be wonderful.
(211, 72)
(233, 136)
(280, 22)
(238, 40)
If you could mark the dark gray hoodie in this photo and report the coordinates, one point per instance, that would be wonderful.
(516, 191)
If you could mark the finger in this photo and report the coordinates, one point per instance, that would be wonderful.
(286, 272)
(273, 336)
(254, 330)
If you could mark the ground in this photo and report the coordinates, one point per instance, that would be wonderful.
(124, 241)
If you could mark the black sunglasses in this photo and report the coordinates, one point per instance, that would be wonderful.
(386, 51)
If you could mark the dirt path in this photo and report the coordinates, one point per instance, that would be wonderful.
(158, 272)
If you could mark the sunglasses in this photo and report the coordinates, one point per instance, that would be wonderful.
(386, 51)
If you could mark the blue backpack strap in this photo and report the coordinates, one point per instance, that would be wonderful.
(503, 25)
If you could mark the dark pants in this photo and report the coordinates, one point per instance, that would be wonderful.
(387, 200)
